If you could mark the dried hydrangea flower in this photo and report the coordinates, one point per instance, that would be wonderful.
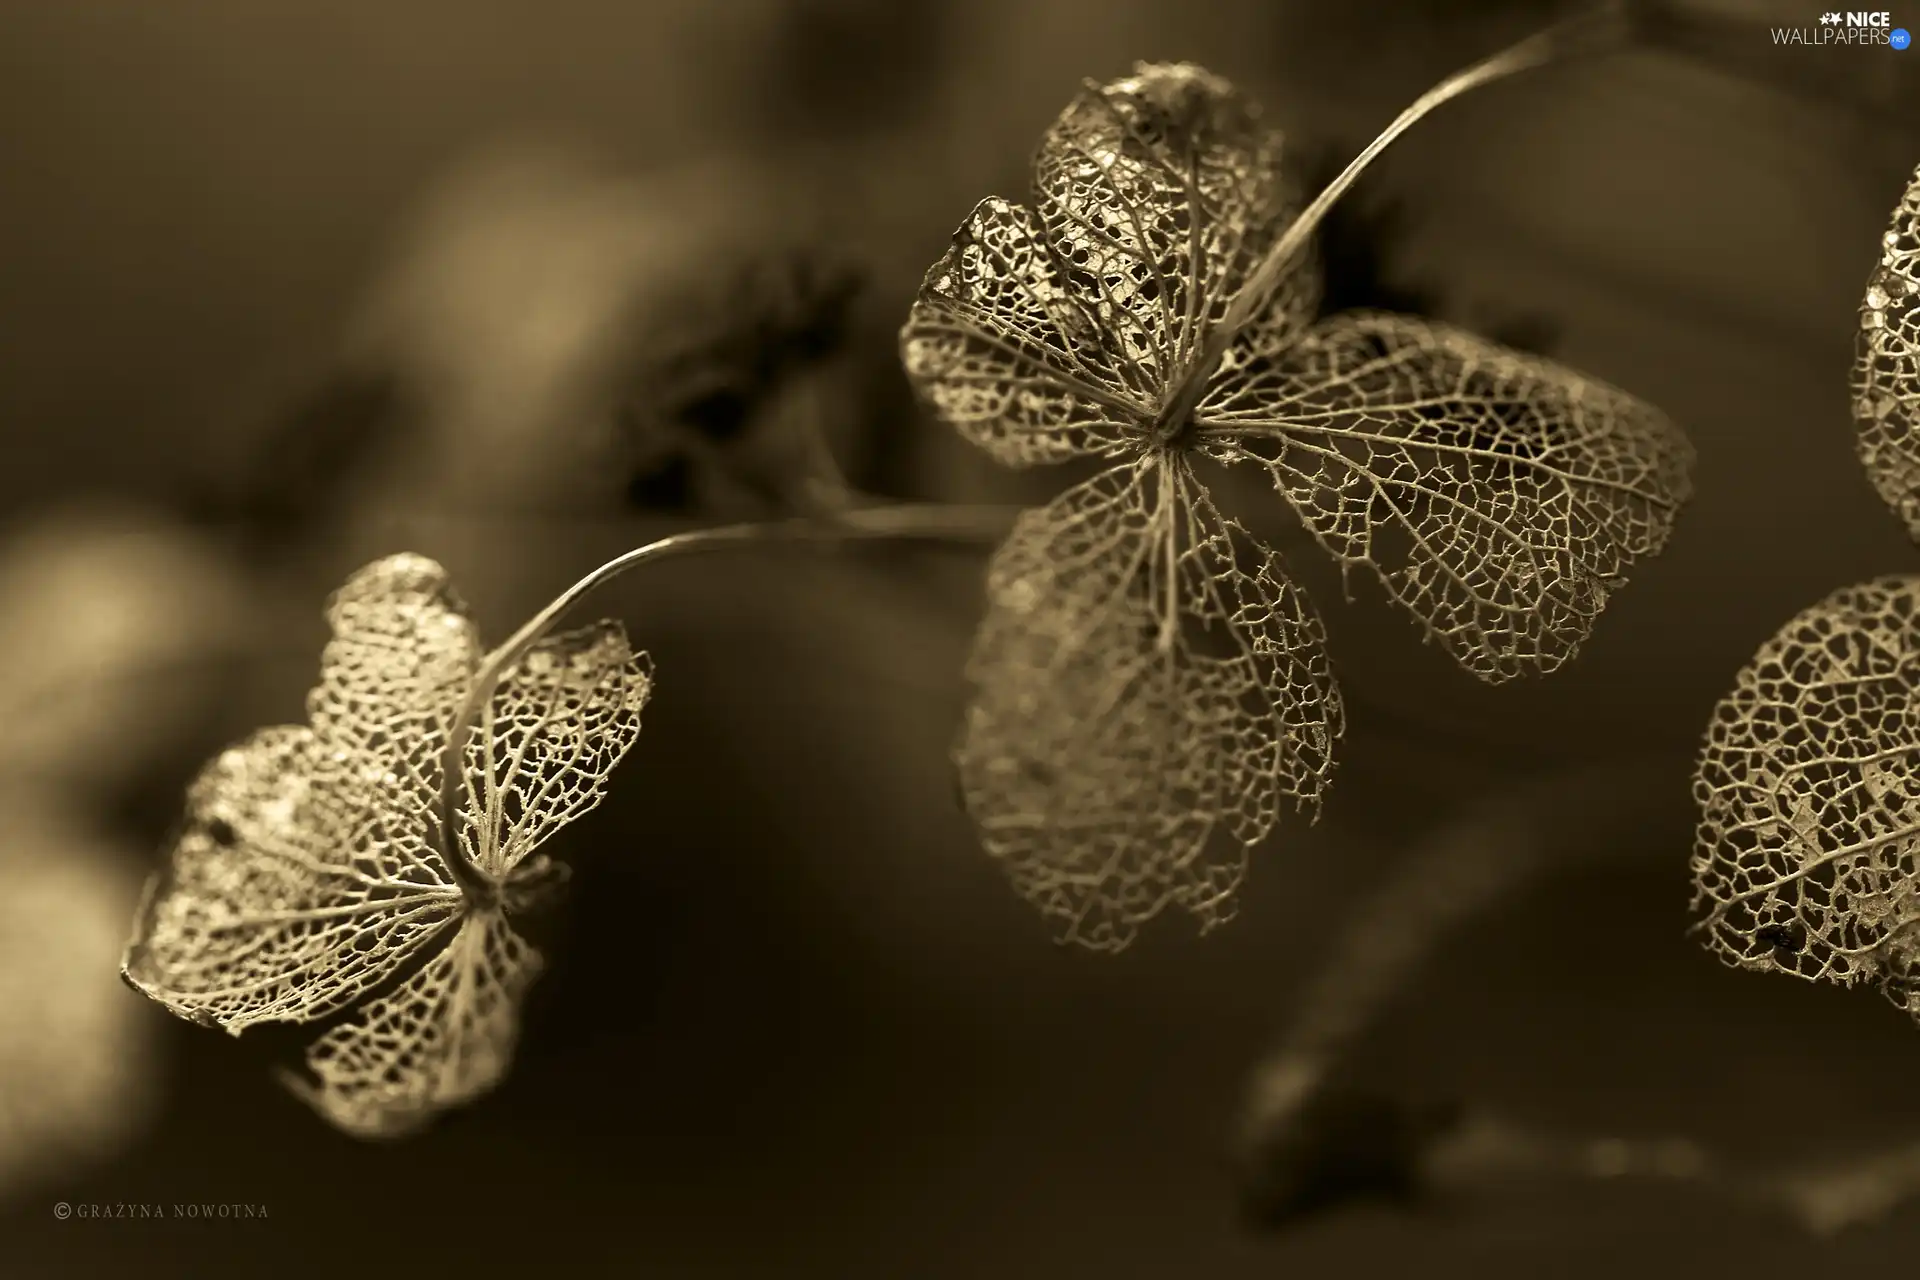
(1147, 675)
(1807, 858)
(311, 872)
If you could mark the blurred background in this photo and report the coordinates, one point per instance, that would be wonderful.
(284, 288)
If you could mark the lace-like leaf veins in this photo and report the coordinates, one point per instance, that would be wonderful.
(1129, 735)
(1146, 675)
(1886, 372)
(309, 873)
(1808, 854)
(1809, 790)
(1499, 497)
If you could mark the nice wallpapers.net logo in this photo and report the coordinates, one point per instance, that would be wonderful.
(1851, 29)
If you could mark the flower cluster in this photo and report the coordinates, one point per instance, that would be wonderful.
(312, 872)
(1147, 675)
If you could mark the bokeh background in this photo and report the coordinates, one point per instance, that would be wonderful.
(286, 287)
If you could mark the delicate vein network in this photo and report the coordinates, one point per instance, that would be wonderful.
(1807, 859)
(310, 871)
(1499, 497)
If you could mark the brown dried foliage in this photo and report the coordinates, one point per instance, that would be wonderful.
(1147, 676)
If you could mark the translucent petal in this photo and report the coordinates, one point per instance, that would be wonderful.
(1144, 676)
(560, 720)
(402, 655)
(1886, 371)
(309, 871)
(1498, 496)
(1808, 851)
(442, 1038)
(290, 890)
(1160, 193)
(996, 348)
(1049, 335)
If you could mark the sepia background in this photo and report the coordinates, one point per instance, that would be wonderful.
(287, 287)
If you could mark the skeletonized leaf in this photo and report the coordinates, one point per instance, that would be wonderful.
(1146, 679)
(402, 655)
(1001, 351)
(1160, 193)
(291, 890)
(1886, 371)
(442, 1038)
(559, 721)
(1050, 334)
(1808, 853)
(309, 872)
(1500, 497)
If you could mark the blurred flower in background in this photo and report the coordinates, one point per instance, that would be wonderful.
(513, 300)
(114, 630)
(109, 621)
(546, 308)
(76, 1048)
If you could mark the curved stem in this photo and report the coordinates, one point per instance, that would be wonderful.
(1462, 870)
(931, 522)
(1601, 28)
(1455, 874)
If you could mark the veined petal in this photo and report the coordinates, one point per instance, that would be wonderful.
(1886, 371)
(402, 656)
(998, 350)
(440, 1039)
(1144, 676)
(1498, 496)
(1808, 853)
(288, 893)
(1160, 193)
(559, 721)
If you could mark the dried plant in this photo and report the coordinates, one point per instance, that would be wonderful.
(314, 873)
(1886, 373)
(313, 866)
(1808, 852)
(1147, 675)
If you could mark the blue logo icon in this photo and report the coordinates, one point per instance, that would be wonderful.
(1899, 38)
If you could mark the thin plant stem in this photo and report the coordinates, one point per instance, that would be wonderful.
(1467, 867)
(1490, 1151)
(935, 522)
(1463, 868)
(1604, 27)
